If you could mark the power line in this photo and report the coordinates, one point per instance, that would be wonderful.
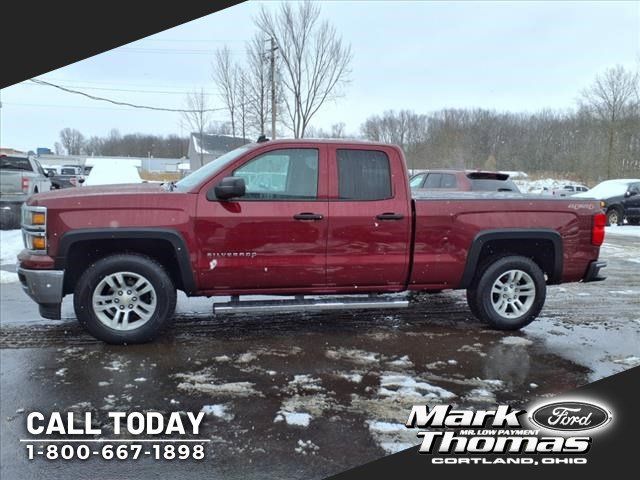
(183, 92)
(124, 104)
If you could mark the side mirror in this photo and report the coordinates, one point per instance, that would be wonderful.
(51, 174)
(229, 187)
(81, 180)
(630, 193)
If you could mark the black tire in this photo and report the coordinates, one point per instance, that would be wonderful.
(481, 299)
(614, 216)
(163, 292)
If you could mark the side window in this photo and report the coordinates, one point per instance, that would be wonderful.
(433, 180)
(449, 181)
(286, 174)
(416, 181)
(363, 175)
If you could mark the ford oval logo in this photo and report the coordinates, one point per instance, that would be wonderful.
(570, 416)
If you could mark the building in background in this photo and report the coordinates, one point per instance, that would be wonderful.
(210, 147)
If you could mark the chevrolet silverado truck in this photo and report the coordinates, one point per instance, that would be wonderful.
(329, 224)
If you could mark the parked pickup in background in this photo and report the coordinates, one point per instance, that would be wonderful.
(66, 177)
(20, 177)
(298, 218)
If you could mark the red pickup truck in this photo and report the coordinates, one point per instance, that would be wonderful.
(298, 218)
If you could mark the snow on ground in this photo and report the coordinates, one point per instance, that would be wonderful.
(298, 419)
(8, 277)
(626, 230)
(10, 245)
(544, 185)
(392, 385)
(113, 172)
(218, 410)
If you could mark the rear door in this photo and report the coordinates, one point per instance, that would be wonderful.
(369, 219)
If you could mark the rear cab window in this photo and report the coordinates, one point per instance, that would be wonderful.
(15, 163)
(363, 175)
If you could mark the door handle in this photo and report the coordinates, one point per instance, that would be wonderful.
(308, 216)
(390, 216)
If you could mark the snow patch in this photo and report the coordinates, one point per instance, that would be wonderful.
(297, 419)
(391, 385)
(218, 410)
(8, 277)
(10, 246)
(353, 355)
(516, 341)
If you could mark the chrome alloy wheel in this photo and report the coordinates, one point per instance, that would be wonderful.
(513, 293)
(124, 301)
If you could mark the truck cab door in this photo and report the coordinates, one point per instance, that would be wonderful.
(369, 220)
(274, 238)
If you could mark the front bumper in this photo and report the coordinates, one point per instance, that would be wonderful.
(593, 272)
(45, 287)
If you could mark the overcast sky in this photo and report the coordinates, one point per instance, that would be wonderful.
(424, 56)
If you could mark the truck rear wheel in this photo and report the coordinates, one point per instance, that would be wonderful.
(125, 299)
(509, 292)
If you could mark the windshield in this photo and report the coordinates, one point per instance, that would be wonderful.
(207, 171)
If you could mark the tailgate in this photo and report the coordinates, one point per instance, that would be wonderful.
(11, 182)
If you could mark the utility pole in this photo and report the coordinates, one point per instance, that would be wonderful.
(273, 88)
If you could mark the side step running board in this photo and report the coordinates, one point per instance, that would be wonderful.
(300, 304)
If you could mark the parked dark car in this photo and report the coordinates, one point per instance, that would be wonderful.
(462, 180)
(621, 199)
(69, 176)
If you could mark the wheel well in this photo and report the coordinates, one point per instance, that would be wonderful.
(541, 251)
(83, 253)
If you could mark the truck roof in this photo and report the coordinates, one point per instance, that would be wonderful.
(329, 141)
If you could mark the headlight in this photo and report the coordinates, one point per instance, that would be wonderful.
(34, 229)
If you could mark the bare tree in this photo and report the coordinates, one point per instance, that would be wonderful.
(258, 85)
(72, 141)
(196, 118)
(226, 76)
(314, 60)
(612, 97)
(243, 100)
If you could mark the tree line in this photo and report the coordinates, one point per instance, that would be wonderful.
(73, 142)
(599, 139)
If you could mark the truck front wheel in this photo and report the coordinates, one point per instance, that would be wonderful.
(125, 299)
(508, 293)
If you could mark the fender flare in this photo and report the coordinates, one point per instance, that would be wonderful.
(485, 236)
(172, 236)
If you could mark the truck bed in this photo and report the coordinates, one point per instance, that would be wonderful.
(448, 224)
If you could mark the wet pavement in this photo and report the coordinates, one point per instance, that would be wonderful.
(291, 396)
